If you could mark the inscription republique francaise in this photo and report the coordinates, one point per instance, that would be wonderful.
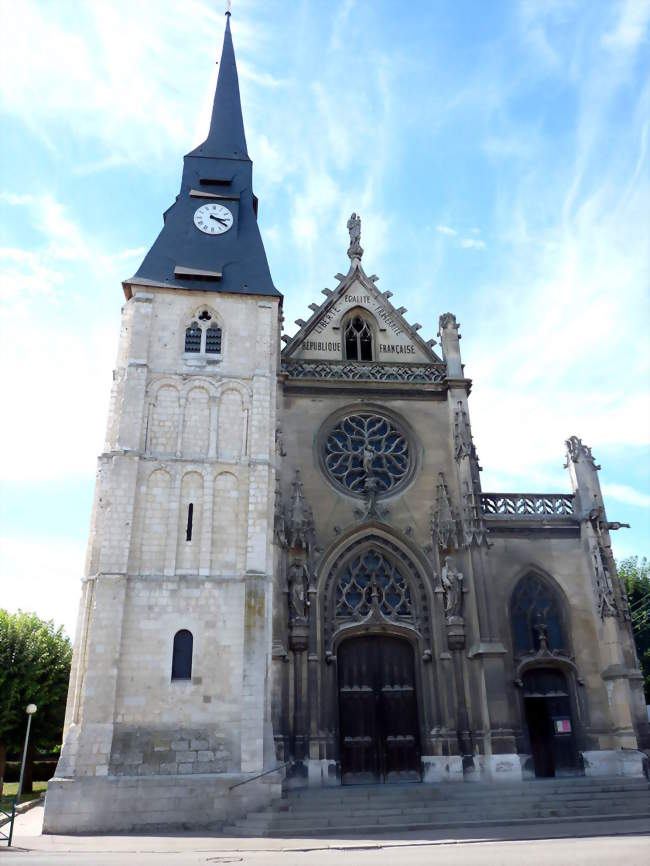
(338, 309)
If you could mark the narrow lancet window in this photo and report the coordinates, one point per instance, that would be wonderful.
(182, 655)
(358, 340)
(190, 515)
(193, 338)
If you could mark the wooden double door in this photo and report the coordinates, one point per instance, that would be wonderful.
(378, 713)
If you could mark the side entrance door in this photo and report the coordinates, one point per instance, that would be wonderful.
(550, 723)
(378, 716)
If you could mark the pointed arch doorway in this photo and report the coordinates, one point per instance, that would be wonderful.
(378, 710)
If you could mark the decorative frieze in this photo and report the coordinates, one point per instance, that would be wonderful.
(360, 371)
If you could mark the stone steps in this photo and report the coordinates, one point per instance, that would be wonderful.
(577, 806)
(373, 809)
(431, 793)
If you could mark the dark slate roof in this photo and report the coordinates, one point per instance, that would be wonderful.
(218, 170)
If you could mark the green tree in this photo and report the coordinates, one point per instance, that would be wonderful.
(635, 574)
(35, 661)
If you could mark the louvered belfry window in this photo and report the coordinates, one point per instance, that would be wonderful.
(213, 340)
(358, 340)
(193, 338)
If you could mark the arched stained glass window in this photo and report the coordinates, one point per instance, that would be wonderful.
(536, 617)
(369, 576)
(182, 655)
(358, 340)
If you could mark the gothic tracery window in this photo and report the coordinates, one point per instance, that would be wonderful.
(536, 617)
(357, 337)
(372, 576)
(203, 335)
(363, 446)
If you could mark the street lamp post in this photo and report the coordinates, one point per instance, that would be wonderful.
(30, 709)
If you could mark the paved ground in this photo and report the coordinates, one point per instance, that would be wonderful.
(597, 845)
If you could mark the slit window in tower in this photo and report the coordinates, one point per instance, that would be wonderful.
(190, 517)
(358, 340)
(182, 655)
(193, 338)
(213, 340)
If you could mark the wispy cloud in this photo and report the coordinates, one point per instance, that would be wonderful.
(54, 348)
(125, 82)
(624, 493)
(466, 243)
(631, 28)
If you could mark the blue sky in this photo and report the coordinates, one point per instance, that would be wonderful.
(496, 151)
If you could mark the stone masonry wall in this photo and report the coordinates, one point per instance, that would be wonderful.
(182, 429)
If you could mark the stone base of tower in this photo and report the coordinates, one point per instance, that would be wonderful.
(143, 803)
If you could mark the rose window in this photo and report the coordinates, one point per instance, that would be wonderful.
(372, 577)
(364, 451)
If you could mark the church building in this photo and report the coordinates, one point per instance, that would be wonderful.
(294, 577)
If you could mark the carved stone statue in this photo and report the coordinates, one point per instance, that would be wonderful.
(452, 588)
(354, 227)
(367, 458)
(298, 598)
(300, 520)
(541, 633)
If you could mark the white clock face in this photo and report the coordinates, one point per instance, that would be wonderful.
(213, 219)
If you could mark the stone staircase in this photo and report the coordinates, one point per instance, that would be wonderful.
(371, 810)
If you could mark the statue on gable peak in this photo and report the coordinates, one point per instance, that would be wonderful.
(355, 250)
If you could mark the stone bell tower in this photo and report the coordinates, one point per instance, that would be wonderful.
(168, 700)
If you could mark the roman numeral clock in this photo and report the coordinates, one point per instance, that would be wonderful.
(213, 219)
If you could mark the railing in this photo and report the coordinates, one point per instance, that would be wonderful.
(360, 371)
(527, 505)
(259, 775)
(10, 816)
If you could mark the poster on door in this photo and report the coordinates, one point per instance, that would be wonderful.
(562, 726)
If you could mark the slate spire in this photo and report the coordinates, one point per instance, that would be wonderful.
(226, 137)
(217, 172)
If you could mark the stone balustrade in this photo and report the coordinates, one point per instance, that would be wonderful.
(527, 505)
